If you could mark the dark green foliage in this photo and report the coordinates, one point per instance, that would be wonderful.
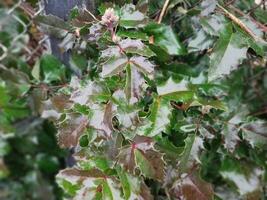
(170, 110)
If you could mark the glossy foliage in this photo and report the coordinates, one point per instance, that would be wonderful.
(169, 110)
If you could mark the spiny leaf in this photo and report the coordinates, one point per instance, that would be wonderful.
(92, 184)
(201, 42)
(245, 178)
(71, 129)
(132, 18)
(193, 146)
(101, 118)
(229, 43)
(165, 38)
(140, 154)
(126, 114)
(134, 79)
(158, 118)
(193, 187)
(231, 129)
(134, 82)
(52, 107)
(114, 66)
(142, 64)
(127, 46)
(133, 187)
(88, 94)
(255, 133)
(208, 6)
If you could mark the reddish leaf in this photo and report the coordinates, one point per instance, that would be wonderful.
(70, 130)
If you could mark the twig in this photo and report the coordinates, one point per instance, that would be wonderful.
(238, 22)
(165, 6)
(91, 14)
(229, 2)
(260, 25)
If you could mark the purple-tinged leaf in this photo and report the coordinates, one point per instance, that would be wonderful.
(71, 129)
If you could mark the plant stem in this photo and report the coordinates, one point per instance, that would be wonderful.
(165, 6)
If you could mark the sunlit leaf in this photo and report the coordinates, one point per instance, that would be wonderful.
(132, 18)
(165, 38)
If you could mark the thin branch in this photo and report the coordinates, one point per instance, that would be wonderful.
(91, 14)
(260, 25)
(240, 23)
(165, 6)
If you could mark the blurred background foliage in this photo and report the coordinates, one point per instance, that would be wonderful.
(29, 154)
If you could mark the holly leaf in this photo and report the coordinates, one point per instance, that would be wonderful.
(158, 118)
(70, 130)
(126, 114)
(161, 108)
(230, 131)
(51, 68)
(101, 118)
(54, 106)
(130, 17)
(133, 187)
(114, 66)
(165, 38)
(207, 7)
(201, 42)
(141, 155)
(245, 178)
(135, 47)
(230, 43)
(190, 155)
(133, 86)
(90, 92)
(193, 187)
(255, 133)
(91, 184)
(127, 46)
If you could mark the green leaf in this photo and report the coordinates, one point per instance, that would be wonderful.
(89, 92)
(52, 69)
(93, 184)
(193, 146)
(132, 18)
(177, 91)
(133, 35)
(255, 133)
(134, 82)
(140, 154)
(208, 6)
(165, 38)
(222, 61)
(114, 65)
(168, 148)
(201, 42)
(131, 185)
(246, 178)
(214, 24)
(36, 71)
